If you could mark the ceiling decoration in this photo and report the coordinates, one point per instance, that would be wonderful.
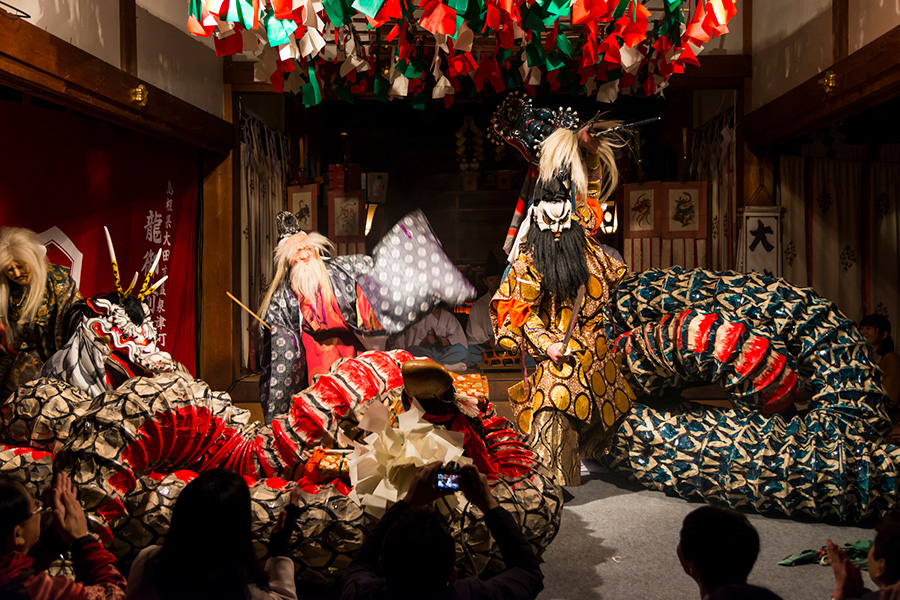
(437, 49)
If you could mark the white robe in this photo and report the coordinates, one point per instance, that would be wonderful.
(479, 329)
(445, 326)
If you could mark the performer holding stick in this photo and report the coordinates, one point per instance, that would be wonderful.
(550, 303)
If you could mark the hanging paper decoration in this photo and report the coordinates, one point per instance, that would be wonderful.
(435, 49)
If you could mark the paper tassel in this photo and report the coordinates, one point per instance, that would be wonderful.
(620, 44)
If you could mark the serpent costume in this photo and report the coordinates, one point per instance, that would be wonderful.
(763, 339)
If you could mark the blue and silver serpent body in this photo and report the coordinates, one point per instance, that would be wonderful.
(762, 338)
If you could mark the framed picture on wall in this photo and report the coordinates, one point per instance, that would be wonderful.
(641, 214)
(346, 216)
(376, 187)
(685, 210)
(302, 201)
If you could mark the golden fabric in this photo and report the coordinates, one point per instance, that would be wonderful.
(39, 340)
(589, 388)
(556, 442)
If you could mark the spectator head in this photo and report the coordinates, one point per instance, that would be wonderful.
(717, 547)
(877, 331)
(208, 549)
(20, 521)
(418, 554)
(743, 591)
(884, 555)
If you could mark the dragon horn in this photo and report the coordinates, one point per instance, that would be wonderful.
(144, 293)
(131, 287)
(115, 265)
(152, 288)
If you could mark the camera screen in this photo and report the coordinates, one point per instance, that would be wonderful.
(448, 481)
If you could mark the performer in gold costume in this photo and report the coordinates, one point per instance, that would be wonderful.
(576, 396)
(36, 298)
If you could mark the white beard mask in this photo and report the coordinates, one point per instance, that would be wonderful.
(553, 216)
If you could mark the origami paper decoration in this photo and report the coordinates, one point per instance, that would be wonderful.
(605, 47)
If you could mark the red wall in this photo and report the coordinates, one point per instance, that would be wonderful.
(60, 168)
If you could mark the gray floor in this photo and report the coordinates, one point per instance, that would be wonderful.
(618, 541)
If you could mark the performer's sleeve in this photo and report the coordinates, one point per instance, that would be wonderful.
(538, 335)
(515, 311)
(282, 347)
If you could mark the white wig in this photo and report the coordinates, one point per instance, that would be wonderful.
(560, 152)
(307, 278)
(21, 245)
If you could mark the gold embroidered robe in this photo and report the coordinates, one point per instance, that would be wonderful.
(589, 387)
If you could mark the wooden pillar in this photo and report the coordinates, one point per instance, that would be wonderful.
(128, 36)
(840, 29)
(219, 339)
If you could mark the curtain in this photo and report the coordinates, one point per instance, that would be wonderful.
(842, 229)
(264, 179)
(883, 237)
(835, 242)
(714, 161)
(791, 195)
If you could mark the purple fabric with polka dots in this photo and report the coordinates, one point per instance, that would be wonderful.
(412, 275)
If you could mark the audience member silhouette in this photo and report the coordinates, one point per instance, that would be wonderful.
(208, 552)
(717, 547)
(883, 564)
(411, 554)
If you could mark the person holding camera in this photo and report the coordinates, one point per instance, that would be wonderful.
(411, 554)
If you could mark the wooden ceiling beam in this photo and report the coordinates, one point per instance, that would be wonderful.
(716, 72)
(42, 64)
(866, 78)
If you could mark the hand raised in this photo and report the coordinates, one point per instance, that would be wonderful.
(474, 485)
(68, 515)
(847, 576)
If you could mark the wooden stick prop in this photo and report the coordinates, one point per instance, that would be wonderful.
(253, 314)
(576, 309)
